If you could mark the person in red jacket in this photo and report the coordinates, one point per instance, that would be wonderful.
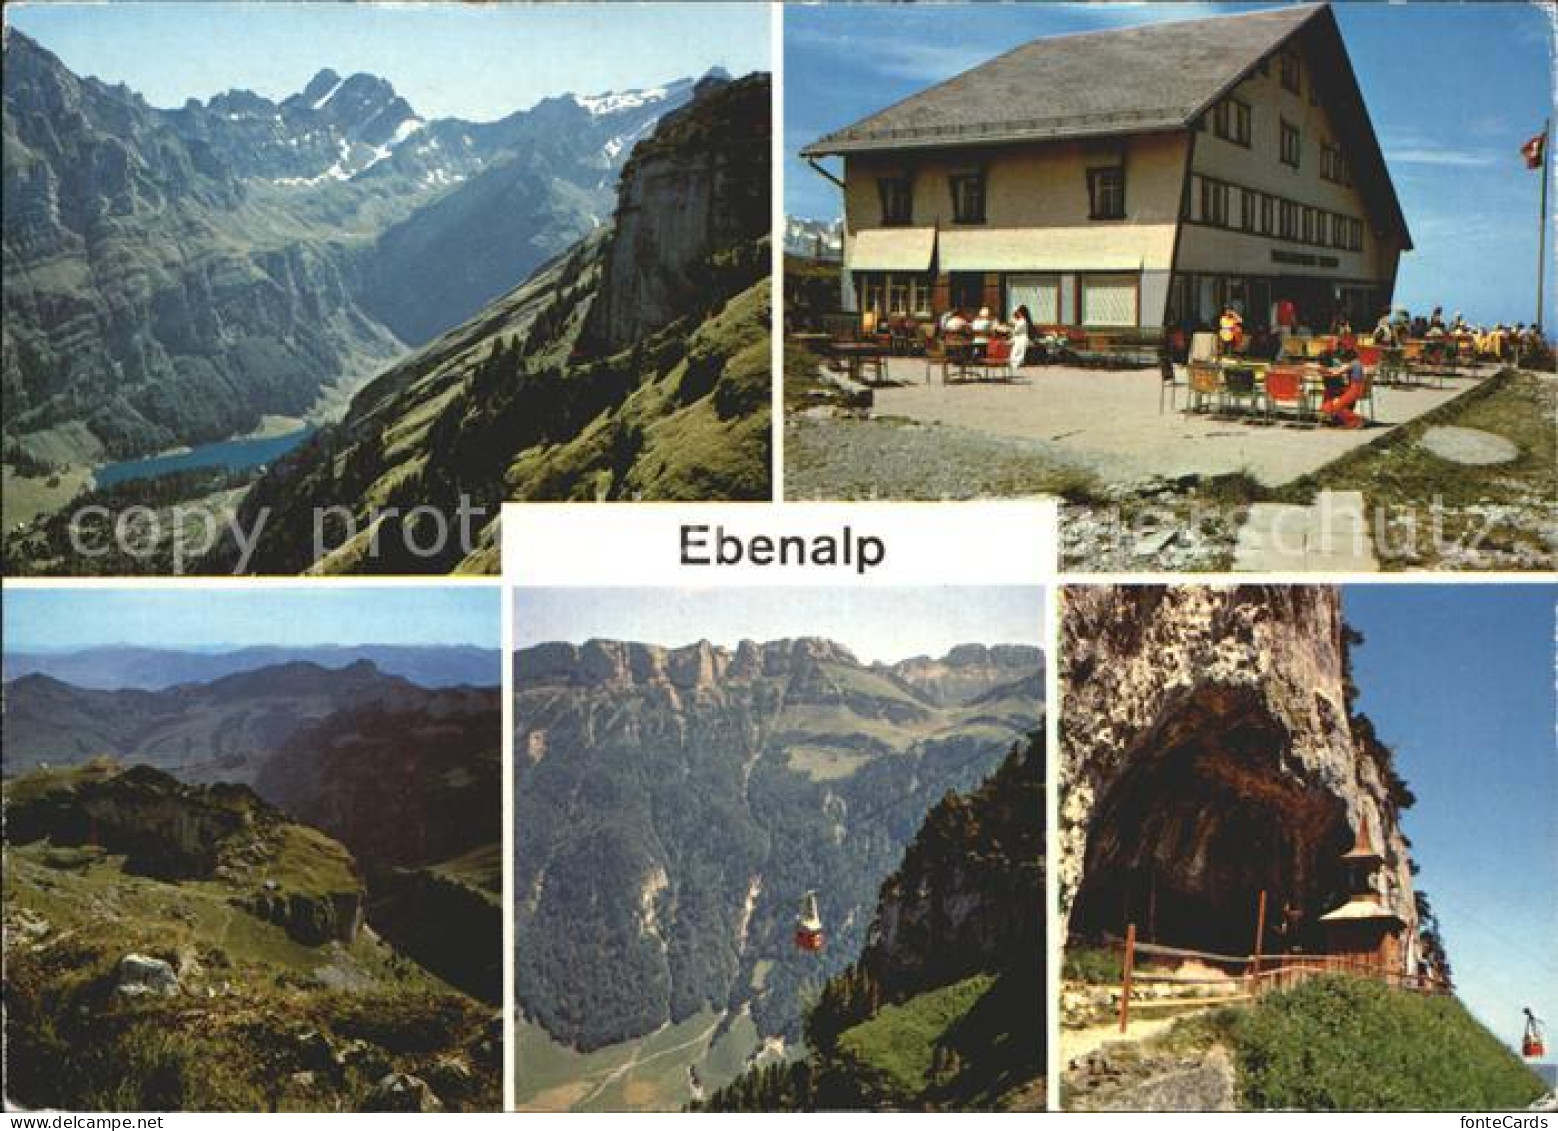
(1344, 385)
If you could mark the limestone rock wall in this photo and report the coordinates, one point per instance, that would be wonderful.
(1151, 669)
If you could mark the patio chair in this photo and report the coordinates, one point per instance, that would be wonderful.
(1285, 388)
(1206, 383)
(1240, 387)
(1169, 385)
(1392, 365)
(959, 351)
(1294, 349)
(934, 350)
(1365, 402)
(1315, 348)
(997, 358)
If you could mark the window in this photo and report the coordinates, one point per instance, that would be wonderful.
(1338, 231)
(1108, 300)
(1291, 143)
(1292, 78)
(1231, 121)
(968, 198)
(1333, 166)
(1354, 235)
(1266, 205)
(1214, 202)
(1039, 293)
(1247, 209)
(897, 199)
(1287, 219)
(1322, 227)
(894, 295)
(1106, 193)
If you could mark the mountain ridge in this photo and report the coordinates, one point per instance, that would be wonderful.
(282, 210)
(672, 806)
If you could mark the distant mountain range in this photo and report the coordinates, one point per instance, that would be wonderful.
(635, 366)
(224, 729)
(152, 669)
(674, 804)
(814, 239)
(173, 275)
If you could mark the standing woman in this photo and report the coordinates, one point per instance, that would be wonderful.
(1022, 326)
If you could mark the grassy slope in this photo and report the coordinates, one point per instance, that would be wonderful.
(1400, 473)
(1347, 1044)
(230, 1041)
(703, 424)
(958, 1047)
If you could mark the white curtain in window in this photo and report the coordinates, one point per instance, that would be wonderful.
(1039, 293)
(1108, 301)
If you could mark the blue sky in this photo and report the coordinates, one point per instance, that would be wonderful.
(885, 624)
(475, 61)
(63, 619)
(1454, 90)
(1459, 681)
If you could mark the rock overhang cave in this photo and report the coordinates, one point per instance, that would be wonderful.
(1199, 823)
(1208, 757)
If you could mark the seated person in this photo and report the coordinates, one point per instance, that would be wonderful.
(983, 325)
(1344, 384)
(1385, 331)
(955, 323)
(1230, 329)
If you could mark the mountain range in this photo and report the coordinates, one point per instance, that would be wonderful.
(224, 729)
(117, 668)
(633, 367)
(673, 805)
(814, 239)
(176, 275)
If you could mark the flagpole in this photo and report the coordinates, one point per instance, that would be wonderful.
(1541, 240)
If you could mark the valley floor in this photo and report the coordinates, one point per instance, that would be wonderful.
(652, 1073)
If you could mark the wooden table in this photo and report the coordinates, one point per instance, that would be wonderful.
(861, 356)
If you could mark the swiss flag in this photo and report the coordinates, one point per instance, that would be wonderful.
(1535, 151)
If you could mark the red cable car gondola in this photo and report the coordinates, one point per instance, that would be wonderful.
(808, 925)
(1533, 1046)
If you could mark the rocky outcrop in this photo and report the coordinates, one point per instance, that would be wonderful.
(137, 975)
(970, 671)
(693, 203)
(1209, 752)
(969, 895)
(286, 874)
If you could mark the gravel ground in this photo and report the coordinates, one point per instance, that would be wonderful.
(843, 457)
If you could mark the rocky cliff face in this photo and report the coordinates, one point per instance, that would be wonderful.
(969, 895)
(692, 199)
(969, 671)
(1208, 752)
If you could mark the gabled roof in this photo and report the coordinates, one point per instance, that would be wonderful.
(1155, 76)
(1151, 78)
